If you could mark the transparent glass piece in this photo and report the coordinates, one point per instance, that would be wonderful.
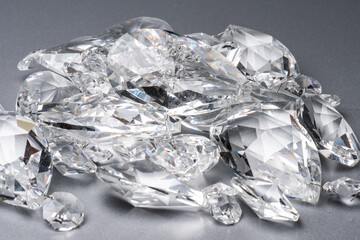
(259, 56)
(334, 136)
(265, 199)
(63, 211)
(345, 189)
(25, 163)
(266, 142)
(222, 203)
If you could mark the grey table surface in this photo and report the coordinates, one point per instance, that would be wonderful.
(324, 36)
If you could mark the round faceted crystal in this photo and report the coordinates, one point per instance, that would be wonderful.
(222, 203)
(25, 164)
(63, 211)
(186, 155)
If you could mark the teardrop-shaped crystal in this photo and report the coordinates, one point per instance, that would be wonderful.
(333, 134)
(144, 184)
(345, 189)
(25, 163)
(41, 88)
(259, 56)
(265, 199)
(266, 142)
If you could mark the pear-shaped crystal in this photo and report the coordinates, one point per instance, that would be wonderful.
(265, 199)
(259, 56)
(266, 142)
(25, 164)
(144, 184)
(346, 189)
(41, 88)
(333, 134)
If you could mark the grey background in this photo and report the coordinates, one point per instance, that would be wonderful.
(324, 37)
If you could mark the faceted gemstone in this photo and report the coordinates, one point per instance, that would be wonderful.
(63, 211)
(98, 116)
(265, 199)
(186, 155)
(266, 142)
(135, 24)
(205, 38)
(303, 84)
(346, 189)
(184, 75)
(332, 99)
(222, 203)
(259, 56)
(334, 136)
(41, 88)
(144, 184)
(68, 154)
(25, 164)
(55, 58)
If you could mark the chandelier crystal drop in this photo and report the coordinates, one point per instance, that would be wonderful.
(153, 113)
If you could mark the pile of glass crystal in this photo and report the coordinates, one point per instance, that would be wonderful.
(151, 112)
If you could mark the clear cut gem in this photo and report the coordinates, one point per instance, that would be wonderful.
(334, 136)
(186, 155)
(135, 24)
(25, 164)
(41, 88)
(55, 58)
(63, 211)
(346, 189)
(266, 142)
(68, 153)
(97, 116)
(184, 75)
(303, 84)
(265, 199)
(259, 56)
(332, 99)
(222, 203)
(144, 184)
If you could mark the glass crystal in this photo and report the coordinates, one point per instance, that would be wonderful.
(186, 155)
(303, 84)
(266, 142)
(265, 199)
(41, 88)
(184, 75)
(135, 24)
(222, 203)
(144, 184)
(346, 189)
(55, 58)
(98, 116)
(25, 164)
(335, 137)
(69, 156)
(332, 99)
(63, 211)
(259, 56)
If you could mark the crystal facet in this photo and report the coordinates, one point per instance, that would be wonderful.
(63, 211)
(264, 141)
(186, 155)
(259, 56)
(303, 84)
(25, 164)
(346, 189)
(222, 203)
(335, 138)
(144, 184)
(265, 199)
(41, 88)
